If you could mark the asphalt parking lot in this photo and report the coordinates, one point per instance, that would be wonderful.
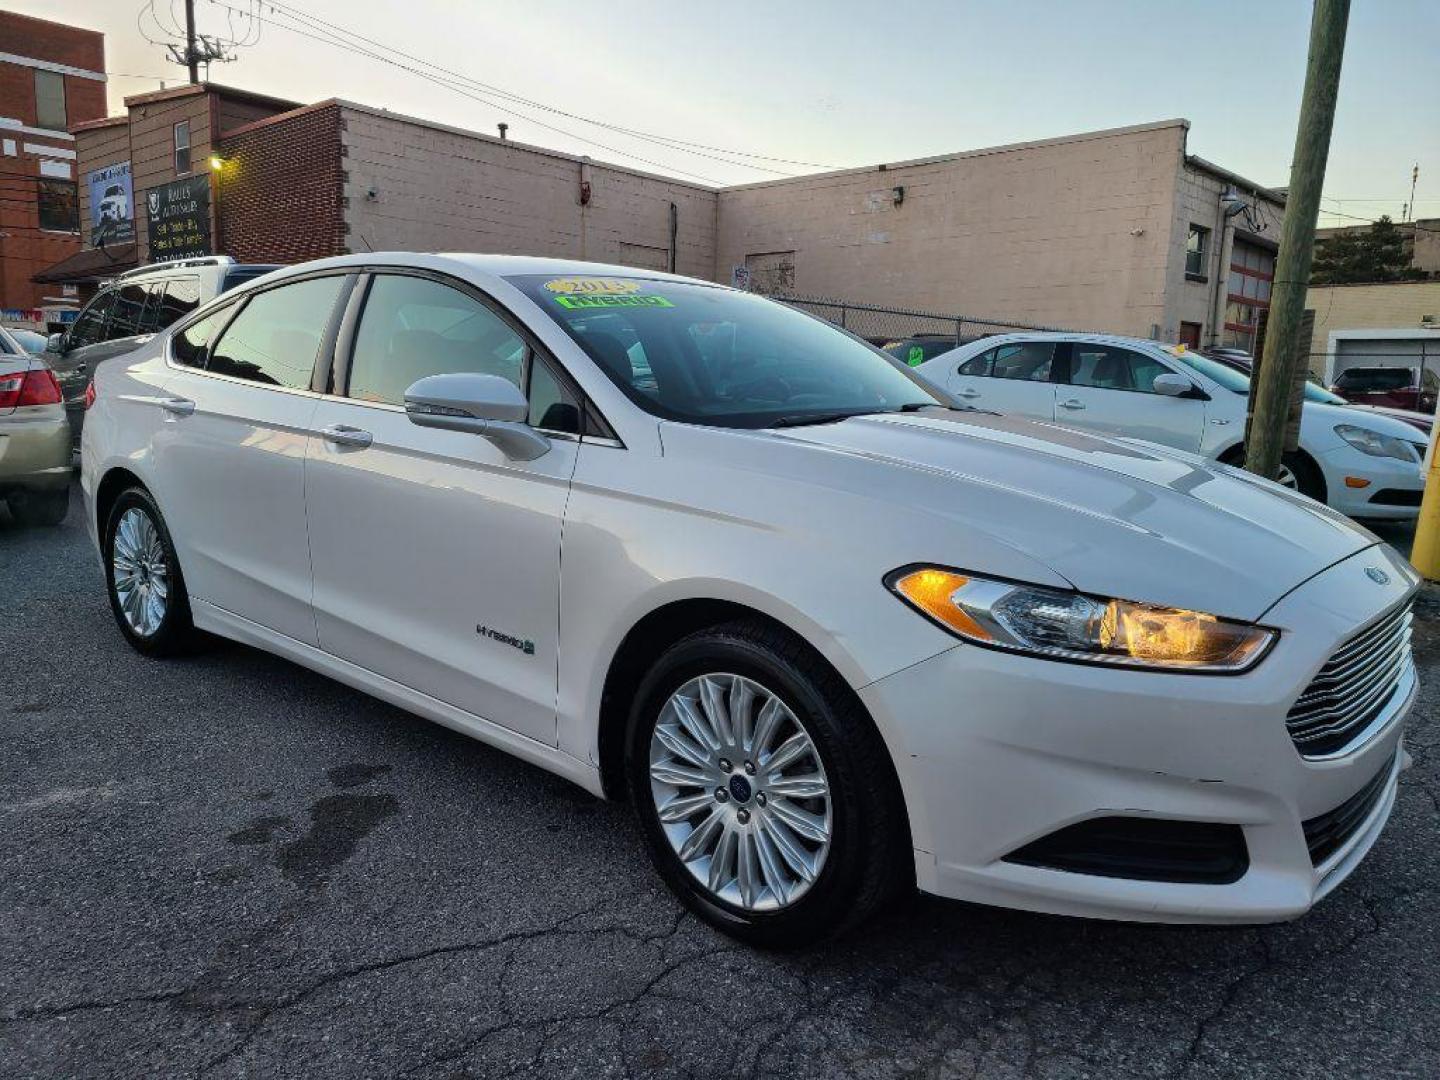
(229, 866)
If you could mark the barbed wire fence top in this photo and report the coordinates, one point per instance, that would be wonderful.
(881, 324)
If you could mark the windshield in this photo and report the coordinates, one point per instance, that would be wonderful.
(1233, 380)
(708, 355)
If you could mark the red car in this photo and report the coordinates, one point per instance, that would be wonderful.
(1395, 387)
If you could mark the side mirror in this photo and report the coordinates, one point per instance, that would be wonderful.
(55, 343)
(1172, 385)
(484, 405)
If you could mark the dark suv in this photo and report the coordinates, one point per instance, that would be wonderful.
(1395, 387)
(127, 310)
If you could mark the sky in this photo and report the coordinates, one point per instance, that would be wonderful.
(839, 83)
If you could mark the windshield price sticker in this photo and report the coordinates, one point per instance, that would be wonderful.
(574, 302)
(593, 286)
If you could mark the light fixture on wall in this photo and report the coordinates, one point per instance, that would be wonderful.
(216, 162)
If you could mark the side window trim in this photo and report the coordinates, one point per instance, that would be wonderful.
(1060, 366)
(337, 383)
(320, 374)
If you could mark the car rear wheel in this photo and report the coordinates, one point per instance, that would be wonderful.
(40, 507)
(767, 798)
(142, 575)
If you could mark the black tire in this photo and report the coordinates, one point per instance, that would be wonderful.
(1309, 480)
(40, 507)
(870, 859)
(176, 633)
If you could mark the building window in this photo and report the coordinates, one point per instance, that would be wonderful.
(182, 148)
(50, 100)
(59, 204)
(1197, 251)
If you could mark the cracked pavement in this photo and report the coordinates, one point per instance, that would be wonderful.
(228, 866)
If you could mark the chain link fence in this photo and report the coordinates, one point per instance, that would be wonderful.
(882, 325)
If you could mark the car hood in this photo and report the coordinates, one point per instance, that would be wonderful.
(1383, 422)
(1412, 418)
(1114, 518)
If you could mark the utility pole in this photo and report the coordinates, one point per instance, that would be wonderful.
(1414, 178)
(192, 55)
(1266, 443)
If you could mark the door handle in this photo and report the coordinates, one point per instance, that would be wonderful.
(178, 406)
(344, 435)
(1071, 404)
(967, 393)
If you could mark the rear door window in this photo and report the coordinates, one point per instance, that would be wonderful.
(1027, 360)
(276, 337)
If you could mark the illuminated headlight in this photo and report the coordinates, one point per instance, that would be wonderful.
(1071, 626)
(1375, 444)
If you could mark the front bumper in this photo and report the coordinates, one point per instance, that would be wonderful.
(995, 751)
(1392, 492)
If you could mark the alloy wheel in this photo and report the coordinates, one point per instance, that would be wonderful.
(141, 572)
(740, 791)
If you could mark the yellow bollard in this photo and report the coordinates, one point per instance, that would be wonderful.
(1425, 551)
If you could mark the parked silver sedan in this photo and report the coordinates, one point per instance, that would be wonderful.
(34, 438)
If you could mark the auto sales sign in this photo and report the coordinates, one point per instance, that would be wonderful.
(178, 216)
(112, 205)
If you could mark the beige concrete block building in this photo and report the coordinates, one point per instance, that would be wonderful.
(1119, 230)
(1115, 230)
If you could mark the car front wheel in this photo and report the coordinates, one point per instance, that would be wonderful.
(142, 575)
(767, 798)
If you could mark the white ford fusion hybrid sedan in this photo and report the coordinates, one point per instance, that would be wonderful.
(834, 635)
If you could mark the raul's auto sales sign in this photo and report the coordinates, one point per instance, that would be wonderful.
(178, 215)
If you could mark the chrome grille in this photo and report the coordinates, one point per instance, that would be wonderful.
(1354, 687)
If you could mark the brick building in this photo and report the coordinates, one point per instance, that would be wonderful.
(1118, 230)
(52, 77)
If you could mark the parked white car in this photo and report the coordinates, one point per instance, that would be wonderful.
(832, 636)
(1360, 462)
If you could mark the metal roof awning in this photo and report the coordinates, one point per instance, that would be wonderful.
(91, 265)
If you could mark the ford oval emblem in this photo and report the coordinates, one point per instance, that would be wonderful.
(1375, 574)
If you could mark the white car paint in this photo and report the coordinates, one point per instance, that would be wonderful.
(373, 564)
(1213, 428)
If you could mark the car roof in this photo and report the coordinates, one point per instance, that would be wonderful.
(1062, 335)
(490, 264)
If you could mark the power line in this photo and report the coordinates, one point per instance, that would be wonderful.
(485, 96)
(297, 13)
(484, 100)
